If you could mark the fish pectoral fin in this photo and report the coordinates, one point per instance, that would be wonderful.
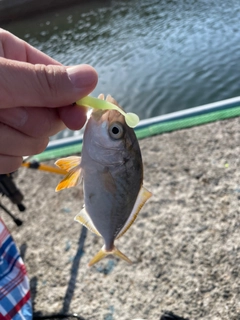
(84, 218)
(72, 179)
(68, 163)
(74, 176)
(104, 253)
(142, 197)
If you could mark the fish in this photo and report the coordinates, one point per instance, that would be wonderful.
(111, 168)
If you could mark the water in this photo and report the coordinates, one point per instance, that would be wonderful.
(154, 57)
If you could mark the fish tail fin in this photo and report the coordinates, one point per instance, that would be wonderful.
(104, 253)
(121, 255)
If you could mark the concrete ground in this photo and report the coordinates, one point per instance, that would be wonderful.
(185, 243)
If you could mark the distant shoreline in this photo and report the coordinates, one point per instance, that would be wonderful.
(17, 9)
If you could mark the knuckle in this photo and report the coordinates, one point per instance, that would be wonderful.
(40, 145)
(6, 96)
(48, 81)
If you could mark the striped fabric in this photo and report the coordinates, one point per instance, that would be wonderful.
(15, 302)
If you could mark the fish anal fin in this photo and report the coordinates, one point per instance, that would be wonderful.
(72, 179)
(84, 218)
(68, 163)
(142, 197)
(103, 253)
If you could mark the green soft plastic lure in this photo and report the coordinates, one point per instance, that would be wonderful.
(131, 118)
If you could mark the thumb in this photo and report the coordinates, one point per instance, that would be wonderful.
(25, 84)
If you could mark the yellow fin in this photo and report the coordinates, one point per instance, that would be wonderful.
(68, 163)
(70, 180)
(103, 253)
(142, 197)
(84, 218)
(72, 166)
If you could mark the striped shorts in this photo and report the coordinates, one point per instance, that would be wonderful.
(15, 301)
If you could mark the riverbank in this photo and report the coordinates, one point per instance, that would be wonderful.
(185, 243)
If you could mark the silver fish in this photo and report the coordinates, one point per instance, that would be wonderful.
(112, 172)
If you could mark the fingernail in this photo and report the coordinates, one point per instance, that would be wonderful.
(82, 76)
(14, 117)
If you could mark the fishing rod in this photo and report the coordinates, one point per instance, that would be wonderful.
(43, 167)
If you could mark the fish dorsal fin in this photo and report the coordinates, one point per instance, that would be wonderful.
(72, 166)
(142, 197)
(84, 218)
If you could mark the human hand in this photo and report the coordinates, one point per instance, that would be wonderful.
(36, 93)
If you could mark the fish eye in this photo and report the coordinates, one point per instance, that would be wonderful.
(116, 130)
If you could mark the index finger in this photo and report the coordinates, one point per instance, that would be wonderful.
(11, 47)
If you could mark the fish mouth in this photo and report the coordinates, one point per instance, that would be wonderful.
(109, 115)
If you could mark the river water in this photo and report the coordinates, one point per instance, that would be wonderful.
(154, 57)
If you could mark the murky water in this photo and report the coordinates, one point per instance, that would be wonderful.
(154, 57)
